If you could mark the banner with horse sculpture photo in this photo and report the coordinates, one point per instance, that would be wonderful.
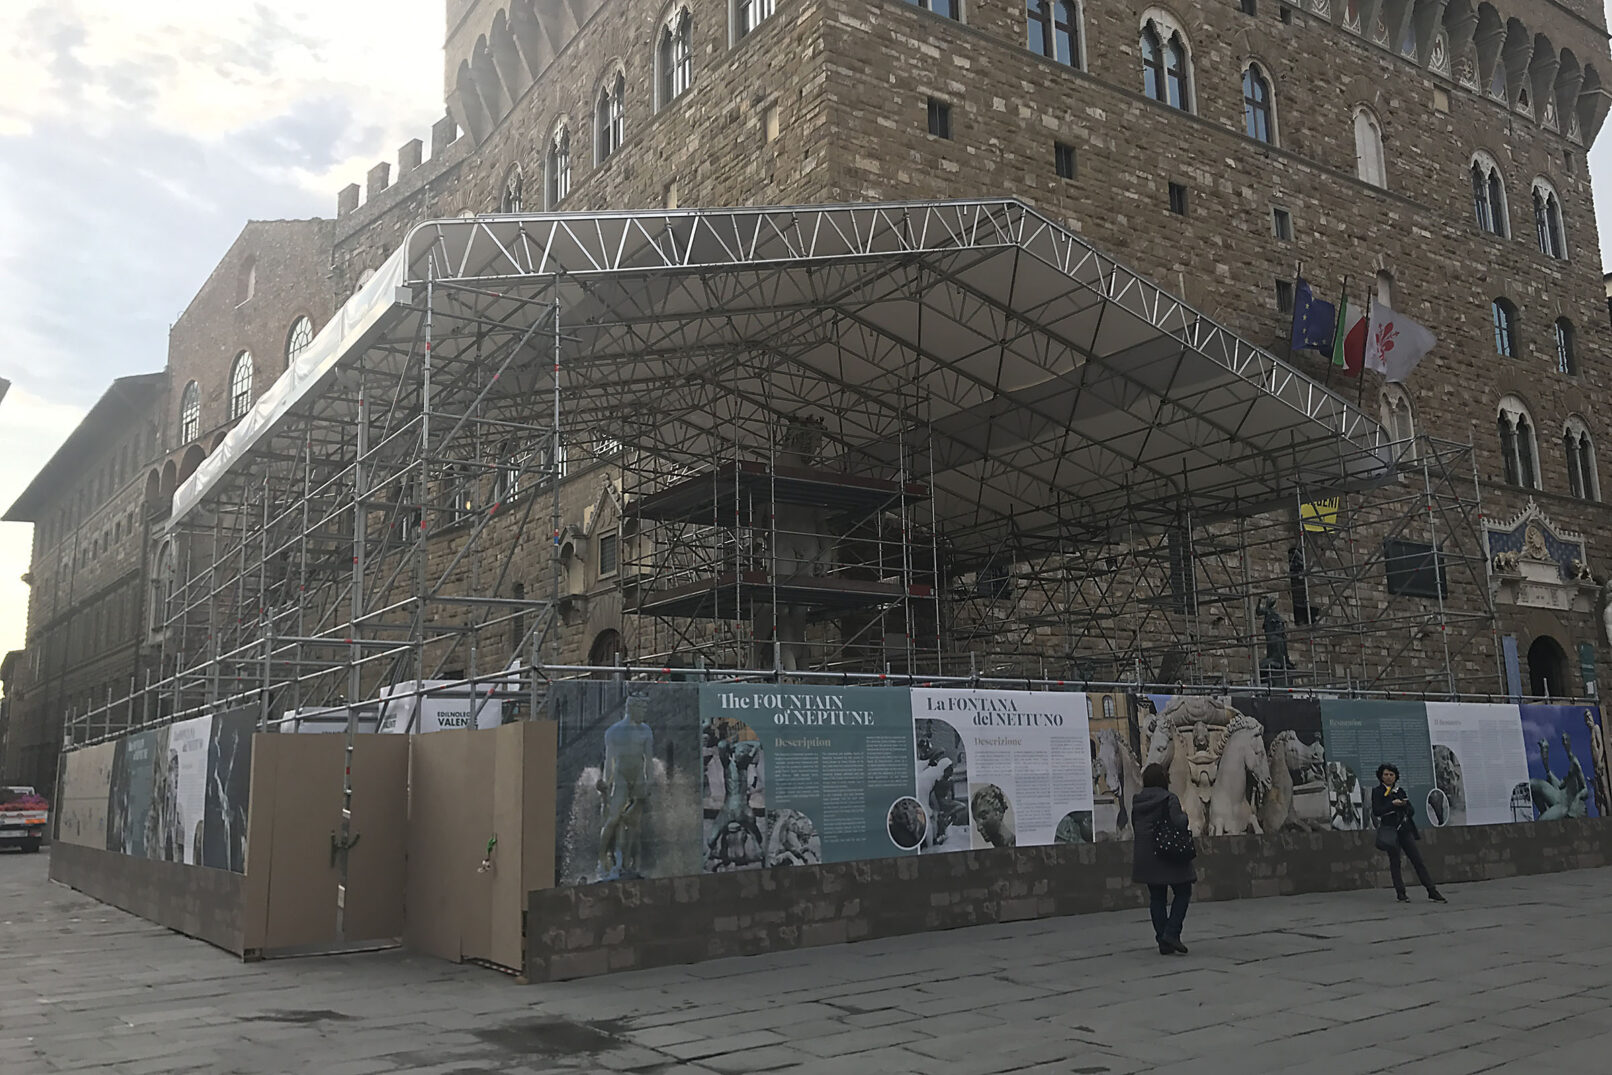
(660, 780)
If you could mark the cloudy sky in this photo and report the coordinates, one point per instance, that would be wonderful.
(136, 139)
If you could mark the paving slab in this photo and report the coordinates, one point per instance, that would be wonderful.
(1335, 984)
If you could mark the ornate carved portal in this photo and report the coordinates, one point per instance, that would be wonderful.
(1539, 565)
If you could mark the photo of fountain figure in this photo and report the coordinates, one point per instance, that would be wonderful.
(629, 780)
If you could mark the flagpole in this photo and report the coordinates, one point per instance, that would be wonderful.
(1360, 396)
(1293, 314)
(1337, 327)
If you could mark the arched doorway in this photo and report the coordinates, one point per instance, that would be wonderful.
(607, 650)
(1547, 669)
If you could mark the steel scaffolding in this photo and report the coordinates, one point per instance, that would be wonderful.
(924, 440)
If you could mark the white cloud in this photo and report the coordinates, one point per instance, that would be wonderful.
(209, 69)
(135, 142)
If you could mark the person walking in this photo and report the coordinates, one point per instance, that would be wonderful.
(1153, 806)
(1396, 832)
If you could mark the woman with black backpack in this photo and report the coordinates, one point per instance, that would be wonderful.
(1163, 856)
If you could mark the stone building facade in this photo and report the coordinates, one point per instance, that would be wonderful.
(1425, 153)
(1237, 167)
(100, 505)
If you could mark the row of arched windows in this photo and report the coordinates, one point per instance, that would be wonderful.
(673, 77)
(298, 338)
(1519, 443)
(1506, 322)
(1519, 451)
(1493, 214)
(1054, 31)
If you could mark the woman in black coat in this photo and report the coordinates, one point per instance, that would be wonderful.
(1156, 805)
(1391, 807)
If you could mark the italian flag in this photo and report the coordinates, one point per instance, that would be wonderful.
(1349, 342)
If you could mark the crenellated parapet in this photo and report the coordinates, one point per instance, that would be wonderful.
(496, 50)
(1509, 57)
(412, 168)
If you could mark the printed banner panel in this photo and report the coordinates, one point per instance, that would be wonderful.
(229, 789)
(181, 801)
(1291, 793)
(628, 802)
(799, 774)
(1480, 768)
(1361, 735)
(175, 794)
(1027, 768)
(1566, 750)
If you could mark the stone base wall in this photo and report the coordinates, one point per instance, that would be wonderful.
(198, 902)
(630, 925)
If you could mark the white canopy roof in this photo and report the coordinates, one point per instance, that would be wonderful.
(1053, 389)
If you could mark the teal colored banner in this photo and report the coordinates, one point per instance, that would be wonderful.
(802, 774)
(1363, 735)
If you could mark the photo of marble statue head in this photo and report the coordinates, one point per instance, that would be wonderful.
(906, 823)
(1438, 808)
(993, 817)
(1448, 778)
(792, 839)
(1075, 828)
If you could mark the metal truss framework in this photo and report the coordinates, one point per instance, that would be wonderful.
(367, 524)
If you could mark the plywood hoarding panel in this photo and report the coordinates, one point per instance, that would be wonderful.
(380, 824)
(439, 819)
(306, 795)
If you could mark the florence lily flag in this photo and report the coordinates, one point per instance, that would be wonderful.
(1395, 343)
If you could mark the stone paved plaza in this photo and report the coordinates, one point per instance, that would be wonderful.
(1343, 984)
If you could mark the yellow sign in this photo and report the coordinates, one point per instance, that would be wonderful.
(1320, 515)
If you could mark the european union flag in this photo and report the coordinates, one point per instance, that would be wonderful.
(1314, 320)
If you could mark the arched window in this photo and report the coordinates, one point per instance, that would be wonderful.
(240, 385)
(1519, 452)
(1166, 64)
(1370, 163)
(1548, 220)
(162, 585)
(608, 116)
(510, 200)
(1489, 196)
(749, 14)
(559, 166)
(1398, 418)
(1566, 361)
(298, 339)
(1108, 707)
(1504, 315)
(1385, 289)
(1053, 29)
(674, 58)
(1259, 111)
(189, 413)
(1582, 479)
